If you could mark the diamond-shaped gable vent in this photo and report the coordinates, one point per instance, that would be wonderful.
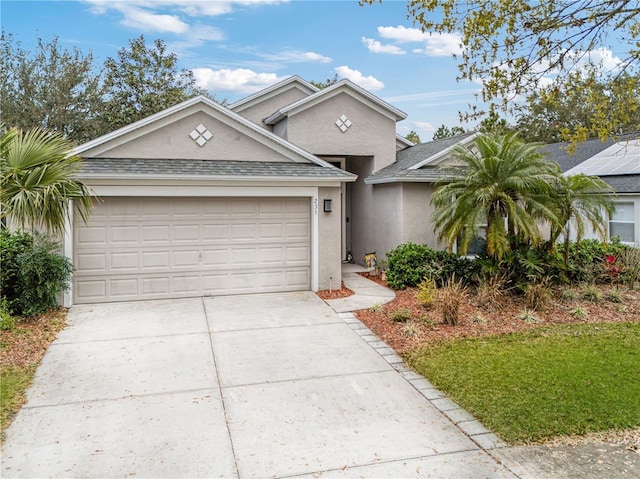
(343, 123)
(200, 134)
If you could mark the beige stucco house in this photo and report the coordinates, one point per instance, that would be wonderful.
(267, 194)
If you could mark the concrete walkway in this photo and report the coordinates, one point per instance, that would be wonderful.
(367, 293)
(274, 385)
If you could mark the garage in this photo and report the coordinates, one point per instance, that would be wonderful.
(139, 248)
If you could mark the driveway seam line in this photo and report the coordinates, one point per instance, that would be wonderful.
(295, 380)
(120, 398)
(386, 461)
(222, 401)
(276, 327)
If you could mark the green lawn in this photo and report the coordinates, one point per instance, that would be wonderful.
(570, 379)
(13, 382)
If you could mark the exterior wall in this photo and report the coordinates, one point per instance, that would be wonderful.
(620, 198)
(329, 247)
(389, 219)
(362, 215)
(417, 213)
(257, 112)
(370, 134)
(173, 141)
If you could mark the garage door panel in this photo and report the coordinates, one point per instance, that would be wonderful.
(124, 261)
(91, 262)
(146, 248)
(119, 235)
(156, 233)
(92, 236)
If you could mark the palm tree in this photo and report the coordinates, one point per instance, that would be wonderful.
(36, 175)
(581, 200)
(504, 183)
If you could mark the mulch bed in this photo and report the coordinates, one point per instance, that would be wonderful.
(478, 320)
(26, 344)
(343, 292)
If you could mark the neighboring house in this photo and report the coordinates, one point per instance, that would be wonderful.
(268, 194)
(617, 162)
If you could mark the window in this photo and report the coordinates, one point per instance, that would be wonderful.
(478, 243)
(622, 224)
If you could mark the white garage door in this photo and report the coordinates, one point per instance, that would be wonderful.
(149, 248)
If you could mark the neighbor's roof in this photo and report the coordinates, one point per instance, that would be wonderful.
(595, 157)
(419, 163)
(210, 170)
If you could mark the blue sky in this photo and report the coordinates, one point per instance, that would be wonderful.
(238, 47)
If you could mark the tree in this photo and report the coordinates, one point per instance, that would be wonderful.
(36, 179)
(512, 46)
(143, 81)
(444, 131)
(579, 201)
(505, 184)
(581, 108)
(328, 82)
(52, 88)
(413, 137)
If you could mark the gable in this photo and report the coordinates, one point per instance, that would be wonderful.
(170, 134)
(173, 141)
(260, 105)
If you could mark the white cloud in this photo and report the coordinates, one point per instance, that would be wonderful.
(240, 80)
(435, 44)
(375, 46)
(134, 16)
(402, 34)
(297, 57)
(367, 82)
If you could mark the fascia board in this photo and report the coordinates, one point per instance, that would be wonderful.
(399, 179)
(193, 179)
(440, 155)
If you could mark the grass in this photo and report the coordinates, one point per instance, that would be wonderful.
(13, 383)
(552, 381)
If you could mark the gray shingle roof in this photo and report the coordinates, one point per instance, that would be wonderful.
(114, 167)
(405, 159)
(558, 151)
(623, 183)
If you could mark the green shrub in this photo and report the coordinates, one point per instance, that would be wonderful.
(410, 263)
(407, 264)
(630, 262)
(7, 322)
(11, 246)
(592, 293)
(33, 273)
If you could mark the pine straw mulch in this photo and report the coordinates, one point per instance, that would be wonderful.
(26, 344)
(478, 320)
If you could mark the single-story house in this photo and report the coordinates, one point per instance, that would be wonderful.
(270, 193)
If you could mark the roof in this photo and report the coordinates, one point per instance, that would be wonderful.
(418, 163)
(589, 154)
(336, 88)
(558, 151)
(292, 81)
(209, 169)
(622, 158)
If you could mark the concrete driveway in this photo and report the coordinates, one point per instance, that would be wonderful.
(274, 385)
